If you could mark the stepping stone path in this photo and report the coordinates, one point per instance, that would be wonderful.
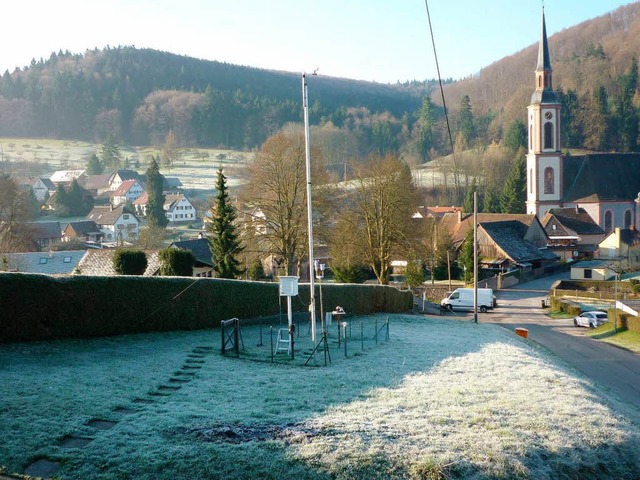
(125, 410)
(42, 468)
(45, 468)
(74, 442)
(101, 424)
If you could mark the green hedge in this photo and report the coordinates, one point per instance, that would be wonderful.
(39, 307)
(559, 305)
(625, 320)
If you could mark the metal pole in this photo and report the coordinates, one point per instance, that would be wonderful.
(475, 257)
(312, 306)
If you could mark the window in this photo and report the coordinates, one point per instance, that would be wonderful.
(125, 216)
(66, 260)
(588, 273)
(530, 137)
(608, 221)
(43, 260)
(627, 219)
(548, 180)
(548, 135)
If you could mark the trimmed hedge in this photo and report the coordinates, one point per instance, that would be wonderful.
(39, 307)
(559, 305)
(625, 320)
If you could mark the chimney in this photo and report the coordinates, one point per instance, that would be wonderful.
(460, 216)
(577, 209)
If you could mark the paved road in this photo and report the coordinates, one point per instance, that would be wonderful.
(609, 366)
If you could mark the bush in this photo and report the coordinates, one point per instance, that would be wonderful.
(176, 262)
(350, 274)
(130, 262)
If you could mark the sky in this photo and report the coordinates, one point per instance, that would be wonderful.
(375, 40)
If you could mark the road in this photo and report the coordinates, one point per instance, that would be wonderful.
(611, 367)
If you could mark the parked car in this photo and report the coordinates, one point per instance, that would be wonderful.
(591, 319)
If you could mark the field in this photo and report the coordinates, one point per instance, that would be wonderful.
(440, 399)
(196, 167)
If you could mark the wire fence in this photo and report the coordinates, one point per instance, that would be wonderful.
(274, 341)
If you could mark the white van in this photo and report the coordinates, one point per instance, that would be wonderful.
(462, 298)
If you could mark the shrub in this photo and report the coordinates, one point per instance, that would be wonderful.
(83, 307)
(633, 324)
(350, 274)
(636, 288)
(130, 262)
(176, 262)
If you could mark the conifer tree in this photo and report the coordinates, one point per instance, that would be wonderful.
(223, 239)
(514, 193)
(155, 206)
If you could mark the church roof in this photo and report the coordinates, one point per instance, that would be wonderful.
(601, 177)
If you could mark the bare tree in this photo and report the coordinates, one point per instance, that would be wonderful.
(276, 195)
(381, 204)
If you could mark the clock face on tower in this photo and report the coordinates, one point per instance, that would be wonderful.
(548, 115)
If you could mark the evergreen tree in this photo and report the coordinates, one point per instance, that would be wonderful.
(110, 155)
(516, 136)
(426, 120)
(490, 200)
(465, 123)
(467, 205)
(61, 202)
(78, 200)
(223, 241)
(94, 165)
(514, 193)
(465, 259)
(155, 206)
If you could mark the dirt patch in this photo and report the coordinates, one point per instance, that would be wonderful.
(237, 433)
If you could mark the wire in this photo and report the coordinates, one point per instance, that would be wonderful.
(444, 103)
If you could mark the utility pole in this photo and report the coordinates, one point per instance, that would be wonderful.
(312, 293)
(475, 257)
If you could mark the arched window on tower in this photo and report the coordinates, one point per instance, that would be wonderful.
(548, 180)
(627, 219)
(608, 221)
(548, 135)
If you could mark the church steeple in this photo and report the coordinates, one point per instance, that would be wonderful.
(544, 157)
(544, 63)
(544, 73)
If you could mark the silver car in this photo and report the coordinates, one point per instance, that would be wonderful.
(591, 319)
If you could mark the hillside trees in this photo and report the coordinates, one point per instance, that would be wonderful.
(275, 194)
(378, 213)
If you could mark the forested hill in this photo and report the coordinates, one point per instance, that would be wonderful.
(143, 96)
(138, 94)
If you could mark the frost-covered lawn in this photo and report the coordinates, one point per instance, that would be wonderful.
(441, 399)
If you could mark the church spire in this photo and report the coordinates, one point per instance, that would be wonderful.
(544, 74)
(544, 63)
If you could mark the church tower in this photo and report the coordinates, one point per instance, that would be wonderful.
(544, 157)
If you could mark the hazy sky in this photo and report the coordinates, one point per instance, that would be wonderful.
(380, 40)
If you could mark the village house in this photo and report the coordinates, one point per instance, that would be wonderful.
(178, 208)
(46, 263)
(622, 244)
(127, 192)
(46, 234)
(118, 224)
(572, 233)
(84, 231)
(66, 177)
(201, 251)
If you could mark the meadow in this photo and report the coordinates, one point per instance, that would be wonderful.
(440, 399)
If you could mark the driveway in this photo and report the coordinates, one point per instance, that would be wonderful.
(616, 369)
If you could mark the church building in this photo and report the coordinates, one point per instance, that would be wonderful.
(605, 185)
